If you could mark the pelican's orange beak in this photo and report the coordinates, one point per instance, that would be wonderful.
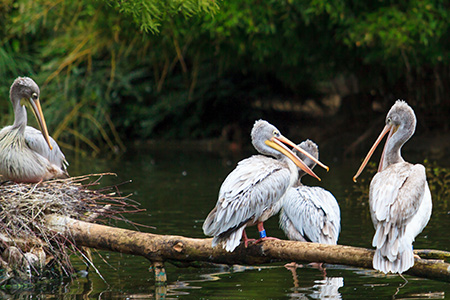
(386, 129)
(277, 143)
(37, 111)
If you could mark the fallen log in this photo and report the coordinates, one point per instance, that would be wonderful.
(161, 248)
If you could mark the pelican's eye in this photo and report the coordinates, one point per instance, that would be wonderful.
(276, 133)
(34, 96)
(389, 121)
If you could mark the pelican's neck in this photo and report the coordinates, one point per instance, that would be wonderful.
(393, 155)
(263, 149)
(20, 115)
(299, 180)
(302, 173)
(293, 169)
(392, 152)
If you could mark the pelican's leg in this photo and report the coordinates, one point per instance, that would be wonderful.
(246, 239)
(402, 285)
(293, 265)
(262, 233)
(293, 270)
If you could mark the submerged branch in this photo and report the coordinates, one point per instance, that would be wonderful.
(160, 248)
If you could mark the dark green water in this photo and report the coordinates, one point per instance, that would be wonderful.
(179, 188)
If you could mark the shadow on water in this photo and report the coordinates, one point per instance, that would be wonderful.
(178, 189)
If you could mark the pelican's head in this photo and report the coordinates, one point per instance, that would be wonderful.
(24, 88)
(401, 124)
(25, 91)
(401, 115)
(268, 140)
(310, 147)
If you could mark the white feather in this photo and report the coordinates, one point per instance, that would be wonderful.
(249, 194)
(400, 206)
(310, 214)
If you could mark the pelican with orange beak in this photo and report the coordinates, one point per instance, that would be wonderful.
(27, 154)
(251, 193)
(399, 196)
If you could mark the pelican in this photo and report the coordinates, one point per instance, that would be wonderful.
(251, 192)
(310, 213)
(399, 196)
(27, 154)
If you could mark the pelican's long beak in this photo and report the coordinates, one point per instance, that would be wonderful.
(386, 129)
(37, 111)
(288, 142)
(277, 144)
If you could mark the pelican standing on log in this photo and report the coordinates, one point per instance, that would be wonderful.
(27, 154)
(399, 196)
(251, 193)
(310, 213)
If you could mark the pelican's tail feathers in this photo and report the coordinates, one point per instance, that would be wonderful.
(393, 249)
(385, 261)
(407, 260)
(234, 239)
(209, 226)
(230, 240)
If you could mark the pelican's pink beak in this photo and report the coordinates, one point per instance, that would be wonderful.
(386, 129)
(277, 143)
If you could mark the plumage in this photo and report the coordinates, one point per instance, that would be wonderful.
(27, 154)
(399, 196)
(251, 192)
(310, 214)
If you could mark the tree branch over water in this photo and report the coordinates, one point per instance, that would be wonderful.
(161, 248)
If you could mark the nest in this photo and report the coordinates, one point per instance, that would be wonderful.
(29, 249)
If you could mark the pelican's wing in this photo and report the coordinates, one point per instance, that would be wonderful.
(253, 186)
(396, 193)
(313, 212)
(35, 140)
(395, 196)
(421, 218)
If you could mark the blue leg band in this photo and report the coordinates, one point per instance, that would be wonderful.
(262, 234)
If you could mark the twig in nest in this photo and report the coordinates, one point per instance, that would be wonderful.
(23, 208)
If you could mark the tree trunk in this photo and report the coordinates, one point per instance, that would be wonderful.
(178, 249)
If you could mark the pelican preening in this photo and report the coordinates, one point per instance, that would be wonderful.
(399, 196)
(310, 213)
(27, 154)
(251, 193)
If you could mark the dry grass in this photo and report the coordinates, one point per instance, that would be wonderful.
(28, 247)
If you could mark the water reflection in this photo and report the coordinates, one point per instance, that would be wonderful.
(327, 288)
(324, 288)
(220, 284)
(179, 188)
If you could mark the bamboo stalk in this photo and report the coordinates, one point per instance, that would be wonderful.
(160, 248)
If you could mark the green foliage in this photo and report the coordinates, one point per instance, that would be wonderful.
(149, 14)
(403, 44)
(439, 181)
(110, 70)
(86, 56)
(410, 27)
(361, 187)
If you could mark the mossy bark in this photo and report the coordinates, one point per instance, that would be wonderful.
(161, 248)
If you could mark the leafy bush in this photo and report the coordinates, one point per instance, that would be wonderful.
(112, 70)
